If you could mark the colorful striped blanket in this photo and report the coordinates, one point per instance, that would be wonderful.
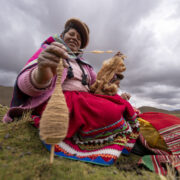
(168, 127)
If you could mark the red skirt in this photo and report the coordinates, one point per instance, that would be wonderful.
(91, 115)
(100, 127)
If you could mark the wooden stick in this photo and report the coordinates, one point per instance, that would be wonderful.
(52, 154)
(95, 51)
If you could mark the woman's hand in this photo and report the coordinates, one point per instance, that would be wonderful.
(48, 61)
(118, 54)
(137, 111)
(126, 96)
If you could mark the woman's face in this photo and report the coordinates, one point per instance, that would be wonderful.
(73, 39)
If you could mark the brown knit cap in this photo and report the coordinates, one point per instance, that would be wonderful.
(82, 27)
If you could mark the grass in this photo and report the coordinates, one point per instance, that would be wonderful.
(22, 156)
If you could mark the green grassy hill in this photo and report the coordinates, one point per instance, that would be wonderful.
(152, 109)
(23, 157)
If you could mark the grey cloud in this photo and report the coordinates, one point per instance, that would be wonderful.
(113, 25)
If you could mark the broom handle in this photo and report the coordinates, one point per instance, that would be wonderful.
(52, 154)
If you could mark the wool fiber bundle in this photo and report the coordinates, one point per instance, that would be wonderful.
(108, 78)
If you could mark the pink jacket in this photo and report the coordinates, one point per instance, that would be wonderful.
(22, 102)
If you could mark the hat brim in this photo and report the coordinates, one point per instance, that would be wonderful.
(82, 28)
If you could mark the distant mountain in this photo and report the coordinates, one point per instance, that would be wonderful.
(5, 95)
(153, 109)
(176, 110)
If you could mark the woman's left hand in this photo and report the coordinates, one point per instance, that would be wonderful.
(126, 96)
(118, 54)
(137, 111)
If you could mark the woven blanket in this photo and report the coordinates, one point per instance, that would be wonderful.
(168, 127)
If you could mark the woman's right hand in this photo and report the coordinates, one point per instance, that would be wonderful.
(48, 61)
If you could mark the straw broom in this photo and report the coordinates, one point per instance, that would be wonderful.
(55, 118)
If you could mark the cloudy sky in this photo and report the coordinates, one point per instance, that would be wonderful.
(146, 31)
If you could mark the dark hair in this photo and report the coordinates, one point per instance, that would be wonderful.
(72, 26)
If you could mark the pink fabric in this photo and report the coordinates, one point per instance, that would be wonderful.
(75, 84)
(26, 86)
(36, 84)
(35, 100)
(6, 119)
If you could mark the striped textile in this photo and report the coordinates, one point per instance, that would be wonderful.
(168, 127)
(105, 152)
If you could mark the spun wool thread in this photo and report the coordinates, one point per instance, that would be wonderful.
(95, 52)
(55, 118)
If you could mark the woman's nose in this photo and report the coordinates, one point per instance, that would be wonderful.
(74, 36)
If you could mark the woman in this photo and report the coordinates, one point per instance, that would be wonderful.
(100, 126)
